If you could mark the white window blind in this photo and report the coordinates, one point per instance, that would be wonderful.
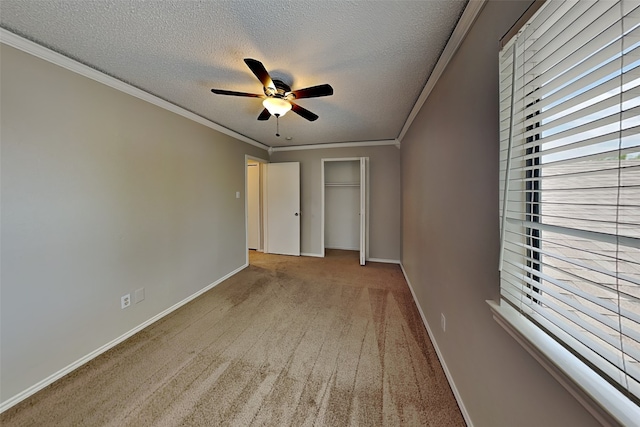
(570, 181)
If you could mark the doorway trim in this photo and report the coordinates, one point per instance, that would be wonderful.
(248, 158)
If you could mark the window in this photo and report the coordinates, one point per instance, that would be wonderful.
(570, 182)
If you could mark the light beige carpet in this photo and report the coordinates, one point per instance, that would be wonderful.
(287, 342)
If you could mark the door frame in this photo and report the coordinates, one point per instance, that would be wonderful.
(247, 157)
(364, 194)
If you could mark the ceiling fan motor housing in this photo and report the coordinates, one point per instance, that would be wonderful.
(282, 90)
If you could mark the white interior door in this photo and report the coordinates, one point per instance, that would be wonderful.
(253, 205)
(283, 208)
(363, 210)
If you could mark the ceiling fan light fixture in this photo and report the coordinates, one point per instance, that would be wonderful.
(277, 107)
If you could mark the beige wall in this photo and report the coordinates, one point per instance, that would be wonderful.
(451, 238)
(384, 202)
(102, 194)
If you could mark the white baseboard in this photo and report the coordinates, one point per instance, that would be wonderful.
(75, 365)
(456, 394)
(344, 248)
(384, 260)
(311, 254)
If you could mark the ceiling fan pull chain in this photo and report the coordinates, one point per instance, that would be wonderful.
(278, 125)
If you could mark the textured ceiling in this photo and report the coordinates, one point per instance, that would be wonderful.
(377, 55)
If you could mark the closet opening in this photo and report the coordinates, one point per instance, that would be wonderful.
(345, 205)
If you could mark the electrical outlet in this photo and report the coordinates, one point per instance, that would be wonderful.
(443, 322)
(125, 301)
(139, 295)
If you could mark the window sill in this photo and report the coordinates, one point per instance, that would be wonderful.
(600, 398)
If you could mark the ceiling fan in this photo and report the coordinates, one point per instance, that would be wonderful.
(278, 96)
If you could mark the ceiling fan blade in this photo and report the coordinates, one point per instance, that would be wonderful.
(260, 72)
(313, 92)
(303, 112)
(264, 115)
(232, 93)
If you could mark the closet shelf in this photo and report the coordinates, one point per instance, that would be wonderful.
(342, 184)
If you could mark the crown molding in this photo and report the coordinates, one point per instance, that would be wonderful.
(39, 51)
(471, 12)
(336, 145)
